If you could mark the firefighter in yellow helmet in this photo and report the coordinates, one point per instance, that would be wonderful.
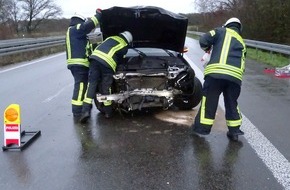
(223, 74)
(103, 63)
(77, 52)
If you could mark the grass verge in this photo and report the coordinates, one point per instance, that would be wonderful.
(271, 59)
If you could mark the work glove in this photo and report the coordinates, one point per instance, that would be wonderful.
(205, 58)
(99, 14)
(206, 49)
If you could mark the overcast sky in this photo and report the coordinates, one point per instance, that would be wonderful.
(88, 7)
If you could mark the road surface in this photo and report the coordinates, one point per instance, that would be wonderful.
(143, 150)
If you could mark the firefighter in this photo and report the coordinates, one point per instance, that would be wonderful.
(77, 52)
(103, 63)
(223, 74)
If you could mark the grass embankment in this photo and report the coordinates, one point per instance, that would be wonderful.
(270, 59)
(30, 55)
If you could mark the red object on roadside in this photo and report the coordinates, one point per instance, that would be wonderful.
(283, 72)
(282, 76)
(269, 70)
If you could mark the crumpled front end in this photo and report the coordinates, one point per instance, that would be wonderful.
(150, 82)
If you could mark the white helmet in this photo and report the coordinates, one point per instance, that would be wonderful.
(233, 20)
(76, 15)
(128, 36)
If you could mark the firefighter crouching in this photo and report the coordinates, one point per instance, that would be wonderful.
(103, 64)
(223, 74)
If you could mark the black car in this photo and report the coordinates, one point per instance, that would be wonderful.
(154, 72)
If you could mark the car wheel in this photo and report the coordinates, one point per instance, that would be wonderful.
(187, 102)
(99, 105)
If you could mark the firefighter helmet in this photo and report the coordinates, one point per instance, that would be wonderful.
(76, 15)
(128, 36)
(233, 22)
(76, 19)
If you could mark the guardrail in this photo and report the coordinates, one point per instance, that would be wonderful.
(8, 47)
(272, 47)
(278, 48)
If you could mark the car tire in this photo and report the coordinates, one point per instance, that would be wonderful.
(99, 105)
(187, 102)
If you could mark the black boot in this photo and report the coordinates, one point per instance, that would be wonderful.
(108, 110)
(85, 116)
(233, 135)
(77, 113)
(199, 130)
(86, 113)
(77, 117)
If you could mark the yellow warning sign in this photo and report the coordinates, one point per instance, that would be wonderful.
(12, 126)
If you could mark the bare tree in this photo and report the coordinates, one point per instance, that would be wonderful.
(5, 21)
(204, 6)
(14, 15)
(3, 10)
(266, 20)
(212, 11)
(37, 11)
(231, 4)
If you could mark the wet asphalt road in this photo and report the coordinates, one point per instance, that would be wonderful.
(146, 150)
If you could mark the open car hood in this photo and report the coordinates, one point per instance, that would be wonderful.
(150, 26)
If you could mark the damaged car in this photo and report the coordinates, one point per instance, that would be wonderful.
(154, 73)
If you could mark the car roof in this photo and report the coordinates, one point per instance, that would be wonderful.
(150, 26)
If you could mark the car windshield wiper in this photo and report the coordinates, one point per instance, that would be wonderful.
(142, 54)
(169, 52)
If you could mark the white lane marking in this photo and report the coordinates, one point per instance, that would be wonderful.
(30, 63)
(274, 160)
(269, 154)
(55, 95)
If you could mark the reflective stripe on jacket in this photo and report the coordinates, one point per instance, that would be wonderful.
(77, 45)
(110, 51)
(228, 54)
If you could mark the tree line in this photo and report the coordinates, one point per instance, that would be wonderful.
(264, 20)
(24, 17)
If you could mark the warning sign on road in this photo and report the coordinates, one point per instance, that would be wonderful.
(12, 129)
(12, 126)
